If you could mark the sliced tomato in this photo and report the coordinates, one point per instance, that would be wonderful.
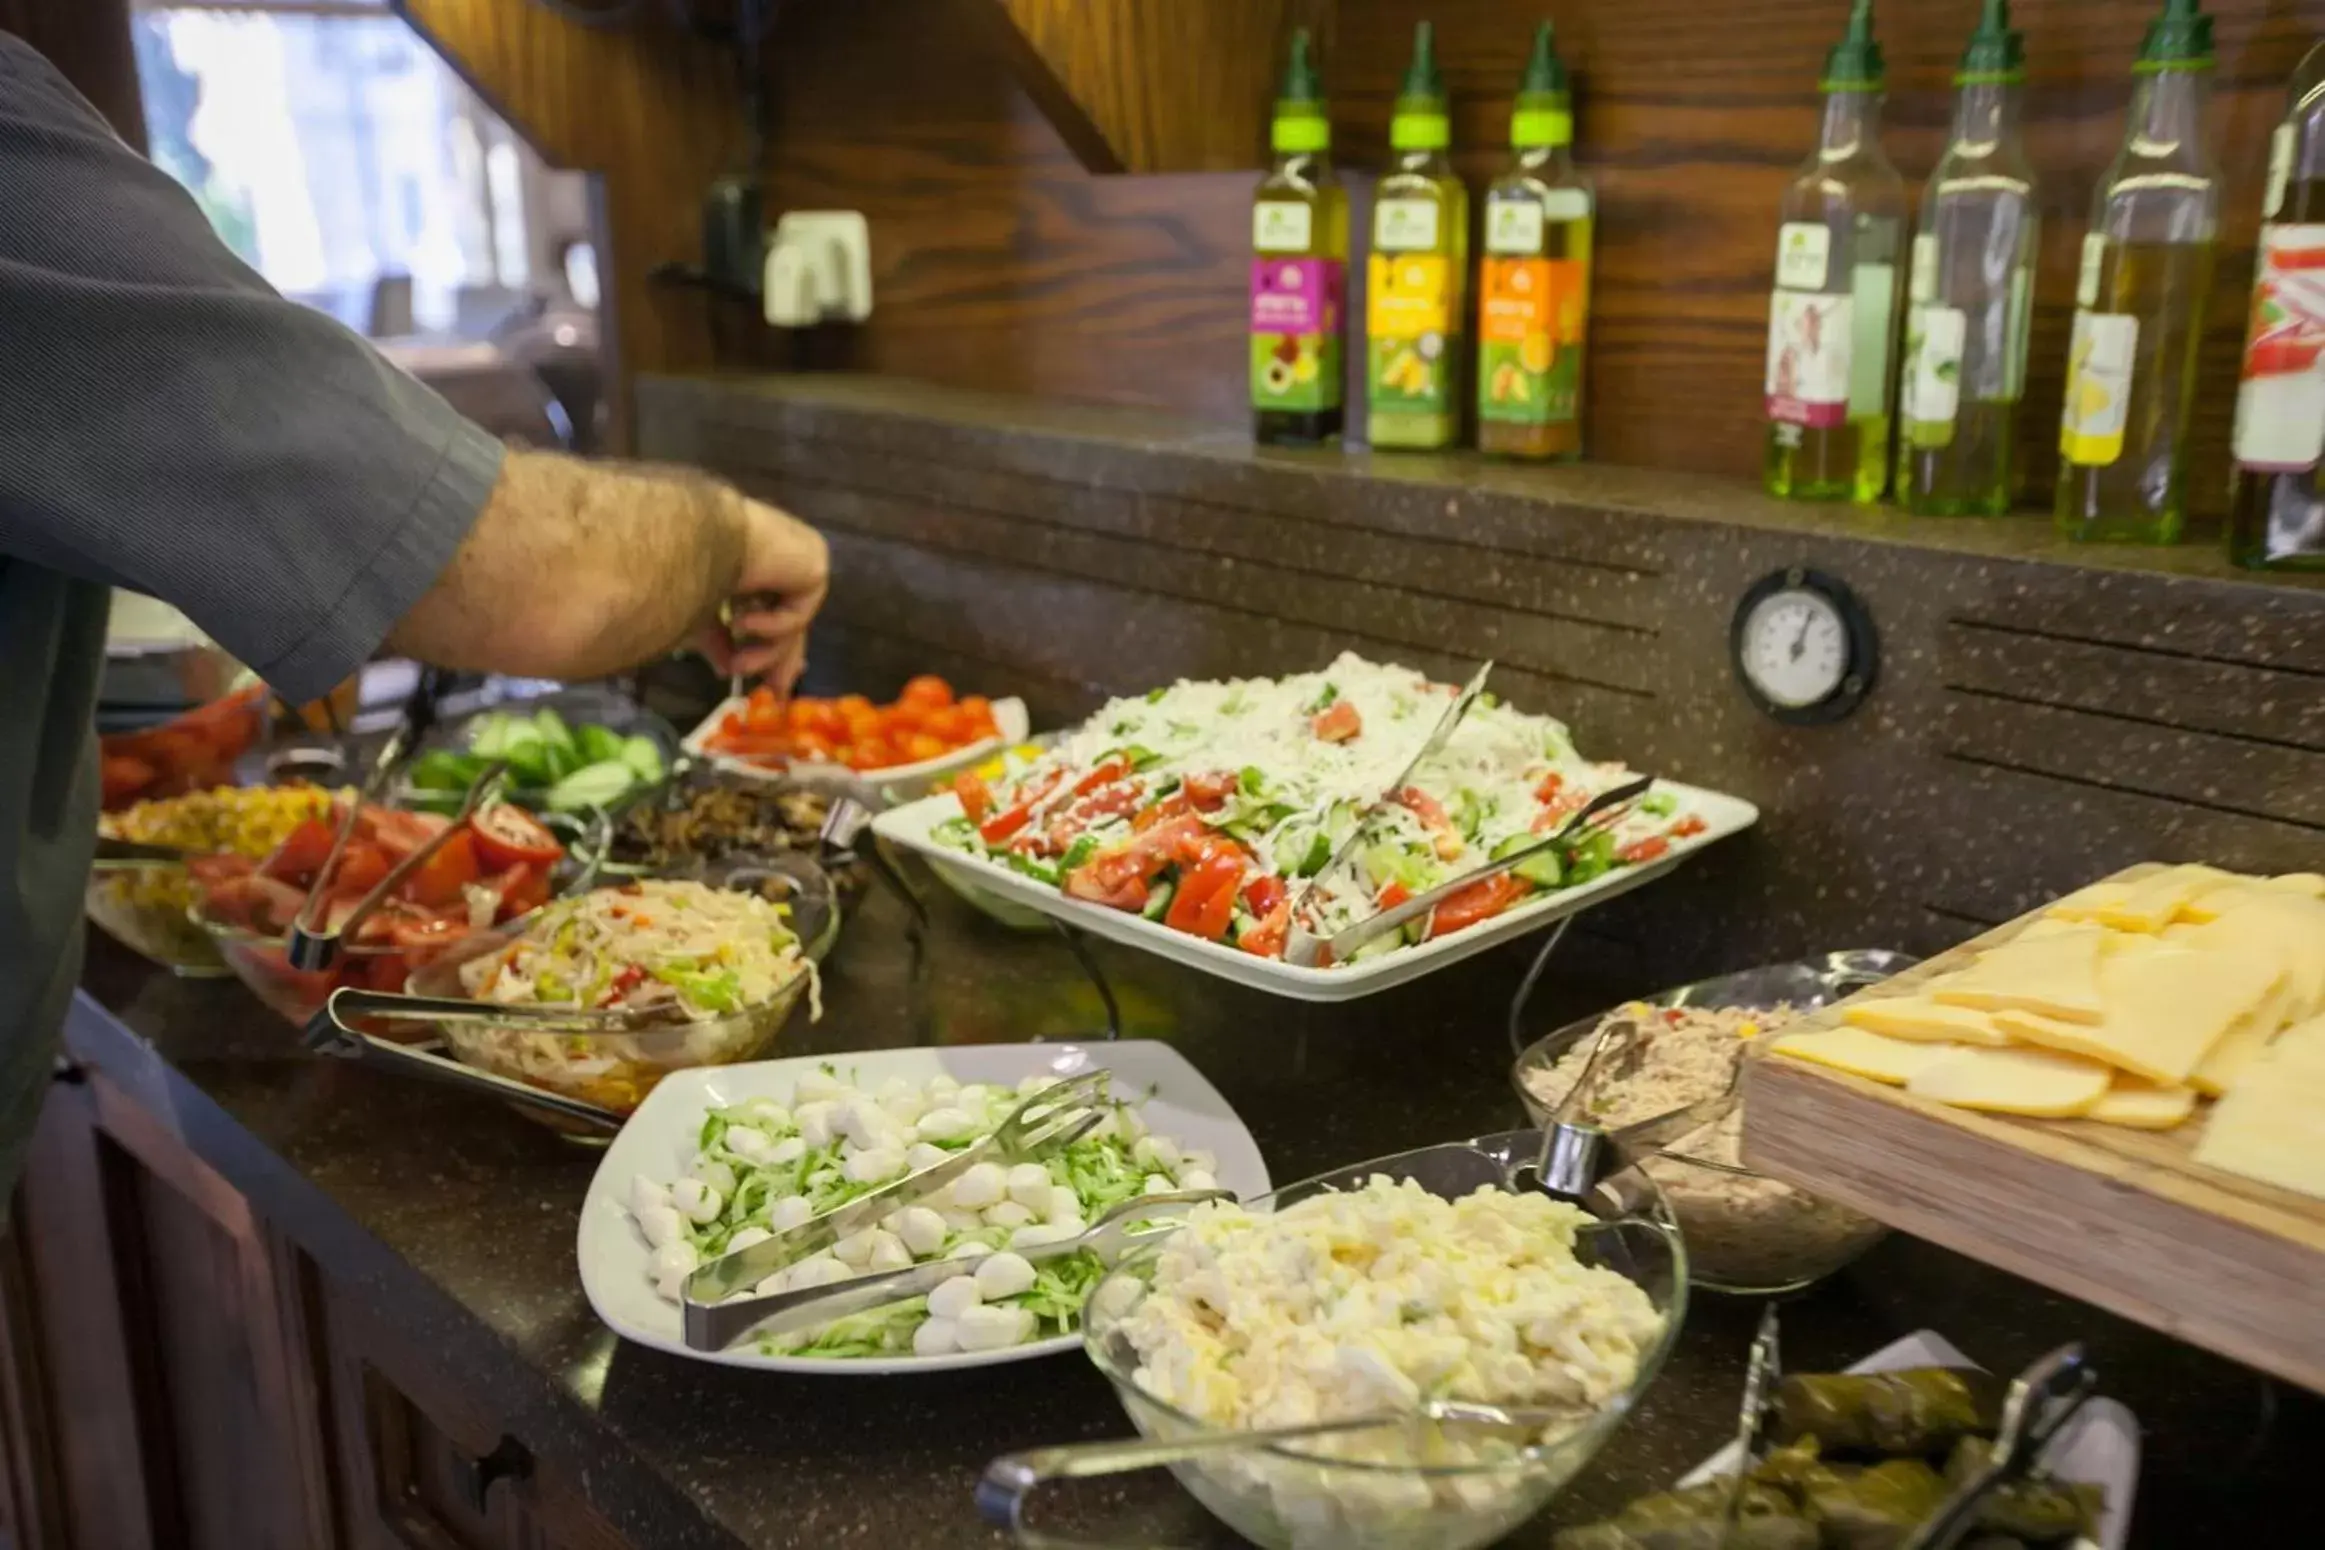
(997, 829)
(1205, 902)
(506, 836)
(1392, 896)
(1644, 850)
(427, 933)
(1208, 793)
(1266, 939)
(1173, 806)
(1263, 893)
(1481, 900)
(1551, 785)
(1338, 722)
(439, 880)
(519, 889)
(976, 797)
(400, 833)
(1107, 772)
(302, 853)
(1113, 880)
(630, 978)
(123, 777)
(1689, 827)
(361, 866)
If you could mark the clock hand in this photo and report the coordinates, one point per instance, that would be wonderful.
(1800, 641)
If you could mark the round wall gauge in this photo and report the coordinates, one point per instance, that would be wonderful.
(1804, 646)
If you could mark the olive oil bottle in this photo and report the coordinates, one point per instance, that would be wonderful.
(1299, 268)
(1833, 318)
(2276, 511)
(1415, 279)
(1971, 295)
(1534, 284)
(2147, 272)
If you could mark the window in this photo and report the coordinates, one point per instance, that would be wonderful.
(338, 155)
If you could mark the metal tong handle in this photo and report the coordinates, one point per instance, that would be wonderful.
(1011, 1478)
(2041, 1401)
(1760, 1377)
(393, 1006)
(120, 853)
(1591, 815)
(780, 1313)
(312, 947)
(327, 1034)
(1579, 1155)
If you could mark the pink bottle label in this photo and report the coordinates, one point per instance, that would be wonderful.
(1297, 295)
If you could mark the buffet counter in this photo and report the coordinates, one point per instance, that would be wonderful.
(290, 1301)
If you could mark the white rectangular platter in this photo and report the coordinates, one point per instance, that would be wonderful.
(659, 1141)
(2100, 1446)
(911, 826)
(1010, 715)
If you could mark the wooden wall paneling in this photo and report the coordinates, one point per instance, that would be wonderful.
(88, 40)
(1154, 85)
(652, 112)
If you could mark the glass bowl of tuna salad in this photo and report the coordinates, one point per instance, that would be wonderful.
(1747, 1233)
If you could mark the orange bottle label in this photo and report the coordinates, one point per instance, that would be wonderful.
(1529, 328)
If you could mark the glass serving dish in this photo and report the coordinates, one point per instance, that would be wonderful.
(1295, 1496)
(592, 1080)
(262, 962)
(1747, 1233)
(579, 705)
(144, 908)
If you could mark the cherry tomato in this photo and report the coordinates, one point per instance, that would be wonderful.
(441, 877)
(1338, 722)
(929, 690)
(924, 745)
(979, 710)
(507, 835)
(1481, 900)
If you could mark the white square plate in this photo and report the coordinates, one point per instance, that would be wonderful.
(912, 824)
(1010, 715)
(2100, 1446)
(659, 1141)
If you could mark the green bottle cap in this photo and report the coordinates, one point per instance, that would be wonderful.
(1542, 115)
(1855, 63)
(2180, 38)
(1997, 52)
(1419, 122)
(1301, 123)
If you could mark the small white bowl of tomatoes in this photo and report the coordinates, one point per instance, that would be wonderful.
(925, 733)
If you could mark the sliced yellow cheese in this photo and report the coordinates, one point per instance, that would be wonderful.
(1924, 1021)
(2271, 1126)
(2140, 1105)
(2165, 1010)
(2310, 883)
(2056, 976)
(2013, 1081)
(2245, 1038)
(2155, 901)
(2047, 925)
(1862, 1054)
(2286, 925)
(2211, 905)
(2086, 902)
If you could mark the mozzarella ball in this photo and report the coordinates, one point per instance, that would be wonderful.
(941, 1087)
(955, 1297)
(1160, 1153)
(935, 1337)
(1007, 1214)
(1063, 1203)
(864, 1124)
(645, 1194)
(919, 1229)
(945, 1124)
(855, 1248)
(789, 1212)
(672, 1261)
(888, 1253)
(814, 1120)
(814, 1086)
(983, 1185)
(957, 1220)
(816, 1270)
(1197, 1178)
(788, 1150)
(748, 1144)
(768, 1115)
(875, 1164)
(696, 1201)
(716, 1174)
(1158, 1184)
(1003, 1275)
(747, 1237)
(780, 1281)
(661, 1224)
(987, 1328)
(1039, 1233)
(1199, 1157)
(1129, 1124)
(1029, 1187)
(969, 1248)
(920, 1155)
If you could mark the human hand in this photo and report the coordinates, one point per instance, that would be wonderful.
(785, 572)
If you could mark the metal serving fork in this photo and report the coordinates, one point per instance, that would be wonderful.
(1110, 1238)
(1056, 1116)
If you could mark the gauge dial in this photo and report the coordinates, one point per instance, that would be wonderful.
(1804, 646)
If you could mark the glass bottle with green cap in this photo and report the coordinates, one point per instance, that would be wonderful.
(1299, 268)
(1833, 319)
(1534, 284)
(1971, 293)
(1415, 280)
(2139, 302)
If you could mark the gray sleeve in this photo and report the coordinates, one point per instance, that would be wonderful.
(168, 423)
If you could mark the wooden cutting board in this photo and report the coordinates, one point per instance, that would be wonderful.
(2121, 1218)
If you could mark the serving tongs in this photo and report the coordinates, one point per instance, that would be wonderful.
(115, 855)
(1581, 1157)
(1760, 1379)
(314, 944)
(716, 1315)
(1303, 947)
(1603, 811)
(333, 1030)
(2041, 1401)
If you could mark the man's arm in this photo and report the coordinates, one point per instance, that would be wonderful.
(169, 424)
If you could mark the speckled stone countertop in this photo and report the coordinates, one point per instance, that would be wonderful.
(453, 1219)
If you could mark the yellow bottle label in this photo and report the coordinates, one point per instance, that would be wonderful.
(1408, 330)
(2099, 366)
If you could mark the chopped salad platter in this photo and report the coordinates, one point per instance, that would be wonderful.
(716, 1159)
(1189, 820)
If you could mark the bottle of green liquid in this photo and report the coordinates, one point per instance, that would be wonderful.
(1833, 319)
(1415, 279)
(1534, 282)
(1299, 268)
(1971, 293)
(2147, 272)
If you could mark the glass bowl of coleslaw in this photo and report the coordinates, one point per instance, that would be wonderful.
(1424, 1276)
(724, 953)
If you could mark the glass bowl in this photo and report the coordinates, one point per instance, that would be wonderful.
(1287, 1497)
(593, 704)
(262, 962)
(615, 1071)
(1747, 1233)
